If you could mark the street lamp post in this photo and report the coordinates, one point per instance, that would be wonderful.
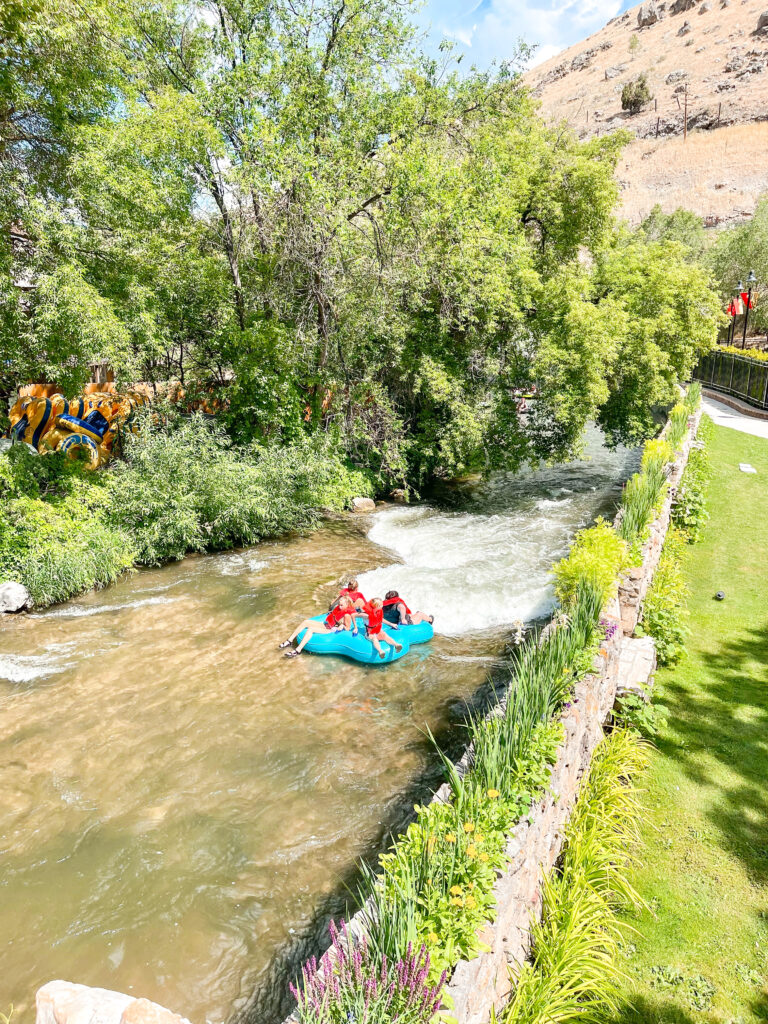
(751, 280)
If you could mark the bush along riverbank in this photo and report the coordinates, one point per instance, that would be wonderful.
(498, 818)
(179, 489)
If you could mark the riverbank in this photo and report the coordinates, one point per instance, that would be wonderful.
(701, 947)
(179, 489)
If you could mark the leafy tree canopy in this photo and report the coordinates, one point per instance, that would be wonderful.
(286, 200)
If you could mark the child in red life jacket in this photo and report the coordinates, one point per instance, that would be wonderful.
(353, 594)
(397, 612)
(376, 634)
(342, 616)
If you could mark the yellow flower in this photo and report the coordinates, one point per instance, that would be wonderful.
(492, 794)
(470, 902)
(432, 937)
(470, 885)
(457, 901)
(450, 837)
(478, 837)
(456, 890)
(484, 857)
(471, 850)
(469, 827)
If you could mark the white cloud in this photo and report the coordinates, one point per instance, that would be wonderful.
(491, 29)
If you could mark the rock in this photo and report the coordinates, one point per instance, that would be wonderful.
(679, 6)
(637, 663)
(648, 14)
(762, 22)
(676, 76)
(399, 495)
(62, 1002)
(615, 71)
(684, 29)
(704, 8)
(363, 504)
(14, 597)
(723, 87)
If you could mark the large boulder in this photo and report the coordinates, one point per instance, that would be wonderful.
(679, 6)
(648, 14)
(762, 22)
(14, 597)
(63, 1002)
(363, 504)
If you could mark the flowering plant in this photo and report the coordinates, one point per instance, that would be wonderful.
(355, 987)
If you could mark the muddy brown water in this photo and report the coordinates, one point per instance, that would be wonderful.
(180, 806)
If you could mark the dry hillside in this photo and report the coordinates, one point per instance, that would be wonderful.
(708, 50)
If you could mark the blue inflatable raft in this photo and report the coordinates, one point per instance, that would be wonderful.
(360, 648)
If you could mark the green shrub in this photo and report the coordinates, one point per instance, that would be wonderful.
(186, 488)
(574, 974)
(657, 449)
(664, 611)
(62, 546)
(689, 511)
(597, 556)
(635, 95)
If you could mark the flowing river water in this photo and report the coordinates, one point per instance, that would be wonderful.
(180, 806)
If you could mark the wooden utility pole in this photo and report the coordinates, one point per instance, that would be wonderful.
(657, 126)
(685, 116)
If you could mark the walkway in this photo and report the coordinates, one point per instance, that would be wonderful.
(724, 416)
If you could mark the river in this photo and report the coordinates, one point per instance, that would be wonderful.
(181, 806)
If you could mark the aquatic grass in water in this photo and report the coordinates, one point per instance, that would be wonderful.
(354, 987)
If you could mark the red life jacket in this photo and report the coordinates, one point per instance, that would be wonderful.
(335, 616)
(397, 600)
(353, 595)
(375, 619)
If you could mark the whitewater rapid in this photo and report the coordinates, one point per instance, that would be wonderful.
(486, 563)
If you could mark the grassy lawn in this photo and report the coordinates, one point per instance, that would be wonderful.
(701, 955)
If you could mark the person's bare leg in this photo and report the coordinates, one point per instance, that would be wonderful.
(375, 641)
(417, 617)
(303, 626)
(390, 641)
(312, 628)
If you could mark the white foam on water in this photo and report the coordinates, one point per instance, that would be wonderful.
(26, 668)
(78, 611)
(234, 564)
(490, 566)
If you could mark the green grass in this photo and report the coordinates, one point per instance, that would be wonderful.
(701, 954)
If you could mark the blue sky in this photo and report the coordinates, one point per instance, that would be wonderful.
(488, 29)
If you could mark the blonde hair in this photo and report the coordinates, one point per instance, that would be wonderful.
(376, 602)
(345, 602)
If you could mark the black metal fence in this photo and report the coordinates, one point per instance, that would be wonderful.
(735, 375)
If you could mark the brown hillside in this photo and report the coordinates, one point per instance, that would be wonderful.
(712, 50)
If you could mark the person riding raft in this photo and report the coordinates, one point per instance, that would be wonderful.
(341, 616)
(397, 612)
(375, 630)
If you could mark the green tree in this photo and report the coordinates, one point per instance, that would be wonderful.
(736, 251)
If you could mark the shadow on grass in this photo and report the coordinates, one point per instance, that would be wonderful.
(662, 1010)
(722, 714)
